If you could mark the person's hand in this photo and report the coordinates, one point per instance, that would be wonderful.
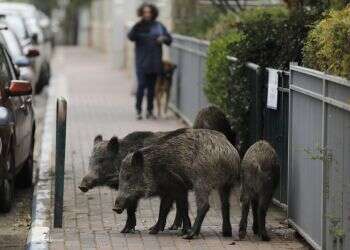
(161, 39)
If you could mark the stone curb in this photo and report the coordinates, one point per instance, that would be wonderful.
(39, 234)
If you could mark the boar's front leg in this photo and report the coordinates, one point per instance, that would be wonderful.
(165, 206)
(131, 219)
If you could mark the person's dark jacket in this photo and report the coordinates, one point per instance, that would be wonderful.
(148, 50)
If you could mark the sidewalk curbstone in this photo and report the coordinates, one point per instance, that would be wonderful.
(39, 234)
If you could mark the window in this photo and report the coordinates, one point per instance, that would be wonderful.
(5, 73)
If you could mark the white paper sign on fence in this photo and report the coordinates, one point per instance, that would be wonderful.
(272, 92)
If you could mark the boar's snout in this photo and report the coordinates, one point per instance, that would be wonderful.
(88, 182)
(118, 210)
(119, 205)
(84, 189)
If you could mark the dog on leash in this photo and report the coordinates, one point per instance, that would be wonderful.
(163, 86)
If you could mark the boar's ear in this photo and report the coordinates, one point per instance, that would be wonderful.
(98, 138)
(137, 159)
(113, 144)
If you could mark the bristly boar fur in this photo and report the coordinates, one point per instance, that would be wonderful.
(260, 177)
(214, 118)
(197, 159)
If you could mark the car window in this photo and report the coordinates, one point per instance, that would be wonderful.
(5, 72)
(17, 25)
(12, 43)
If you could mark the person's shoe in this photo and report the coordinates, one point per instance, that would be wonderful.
(139, 117)
(151, 116)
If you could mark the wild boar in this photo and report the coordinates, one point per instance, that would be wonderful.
(214, 118)
(260, 177)
(197, 159)
(105, 161)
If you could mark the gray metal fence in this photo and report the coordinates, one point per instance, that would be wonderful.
(319, 158)
(187, 96)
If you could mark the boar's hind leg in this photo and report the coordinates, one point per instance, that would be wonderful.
(178, 219)
(202, 202)
(131, 219)
(225, 210)
(264, 203)
(182, 212)
(165, 206)
(244, 218)
(255, 207)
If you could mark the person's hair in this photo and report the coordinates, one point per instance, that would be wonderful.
(154, 10)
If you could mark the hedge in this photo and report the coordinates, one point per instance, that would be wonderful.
(327, 47)
(218, 70)
(269, 37)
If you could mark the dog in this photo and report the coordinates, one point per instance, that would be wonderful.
(163, 86)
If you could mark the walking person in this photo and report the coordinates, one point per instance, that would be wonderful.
(149, 35)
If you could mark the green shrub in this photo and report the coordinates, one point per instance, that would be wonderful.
(225, 24)
(269, 37)
(328, 47)
(218, 70)
(198, 23)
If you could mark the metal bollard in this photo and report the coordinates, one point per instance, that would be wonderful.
(61, 118)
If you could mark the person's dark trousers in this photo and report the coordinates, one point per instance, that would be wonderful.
(147, 82)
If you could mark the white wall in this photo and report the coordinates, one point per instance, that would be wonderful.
(110, 21)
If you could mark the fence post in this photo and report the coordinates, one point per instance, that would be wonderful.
(258, 102)
(61, 118)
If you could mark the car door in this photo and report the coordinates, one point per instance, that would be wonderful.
(26, 113)
(16, 103)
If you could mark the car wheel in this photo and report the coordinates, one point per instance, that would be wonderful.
(7, 188)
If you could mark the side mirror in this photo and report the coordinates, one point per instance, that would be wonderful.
(32, 52)
(19, 88)
(22, 61)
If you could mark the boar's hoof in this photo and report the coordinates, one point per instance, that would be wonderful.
(242, 234)
(83, 189)
(155, 229)
(128, 230)
(189, 236)
(174, 227)
(183, 231)
(265, 237)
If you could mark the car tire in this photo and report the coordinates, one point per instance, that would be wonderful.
(44, 77)
(7, 187)
(24, 178)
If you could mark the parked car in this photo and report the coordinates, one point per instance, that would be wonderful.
(37, 27)
(17, 25)
(17, 129)
(21, 57)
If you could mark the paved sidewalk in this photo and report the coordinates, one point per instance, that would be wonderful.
(100, 102)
